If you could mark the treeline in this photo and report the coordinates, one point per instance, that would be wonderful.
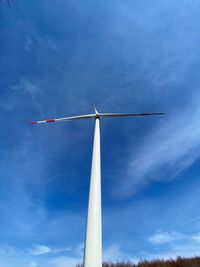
(179, 262)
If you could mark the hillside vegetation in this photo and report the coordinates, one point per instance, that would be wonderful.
(179, 262)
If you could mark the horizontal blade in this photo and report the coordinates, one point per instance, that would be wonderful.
(128, 114)
(81, 117)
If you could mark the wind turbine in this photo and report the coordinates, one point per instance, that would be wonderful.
(93, 240)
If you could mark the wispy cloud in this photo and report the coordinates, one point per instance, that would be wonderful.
(64, 261)
(168, 150)
(196, 237)
(40, 255)
(28, 87)
(28, 44)
(161, 237)
(43, 249)
(172, 244)
(33, 264)
(13, 256)
(115, 253)
(40, 250)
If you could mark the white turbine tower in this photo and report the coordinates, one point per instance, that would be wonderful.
(93, 241)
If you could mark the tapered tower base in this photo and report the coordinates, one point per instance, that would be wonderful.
(93, 242)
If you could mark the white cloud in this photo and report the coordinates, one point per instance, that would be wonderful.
(64, 261)
(114, 253)
(186, 249)
(42, 249)
(161, 237)
(196, 237)
(8, 251)
(79, 250)
(27, 87)
(28, 44)
(13, 256)
(173, 146)
(22, 89)
(173, 244)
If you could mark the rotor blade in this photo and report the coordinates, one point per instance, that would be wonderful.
(128, 114)
(81, 117)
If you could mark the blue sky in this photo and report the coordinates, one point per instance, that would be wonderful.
(59, 58)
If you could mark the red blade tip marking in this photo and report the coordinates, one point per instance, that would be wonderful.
(32, 122)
